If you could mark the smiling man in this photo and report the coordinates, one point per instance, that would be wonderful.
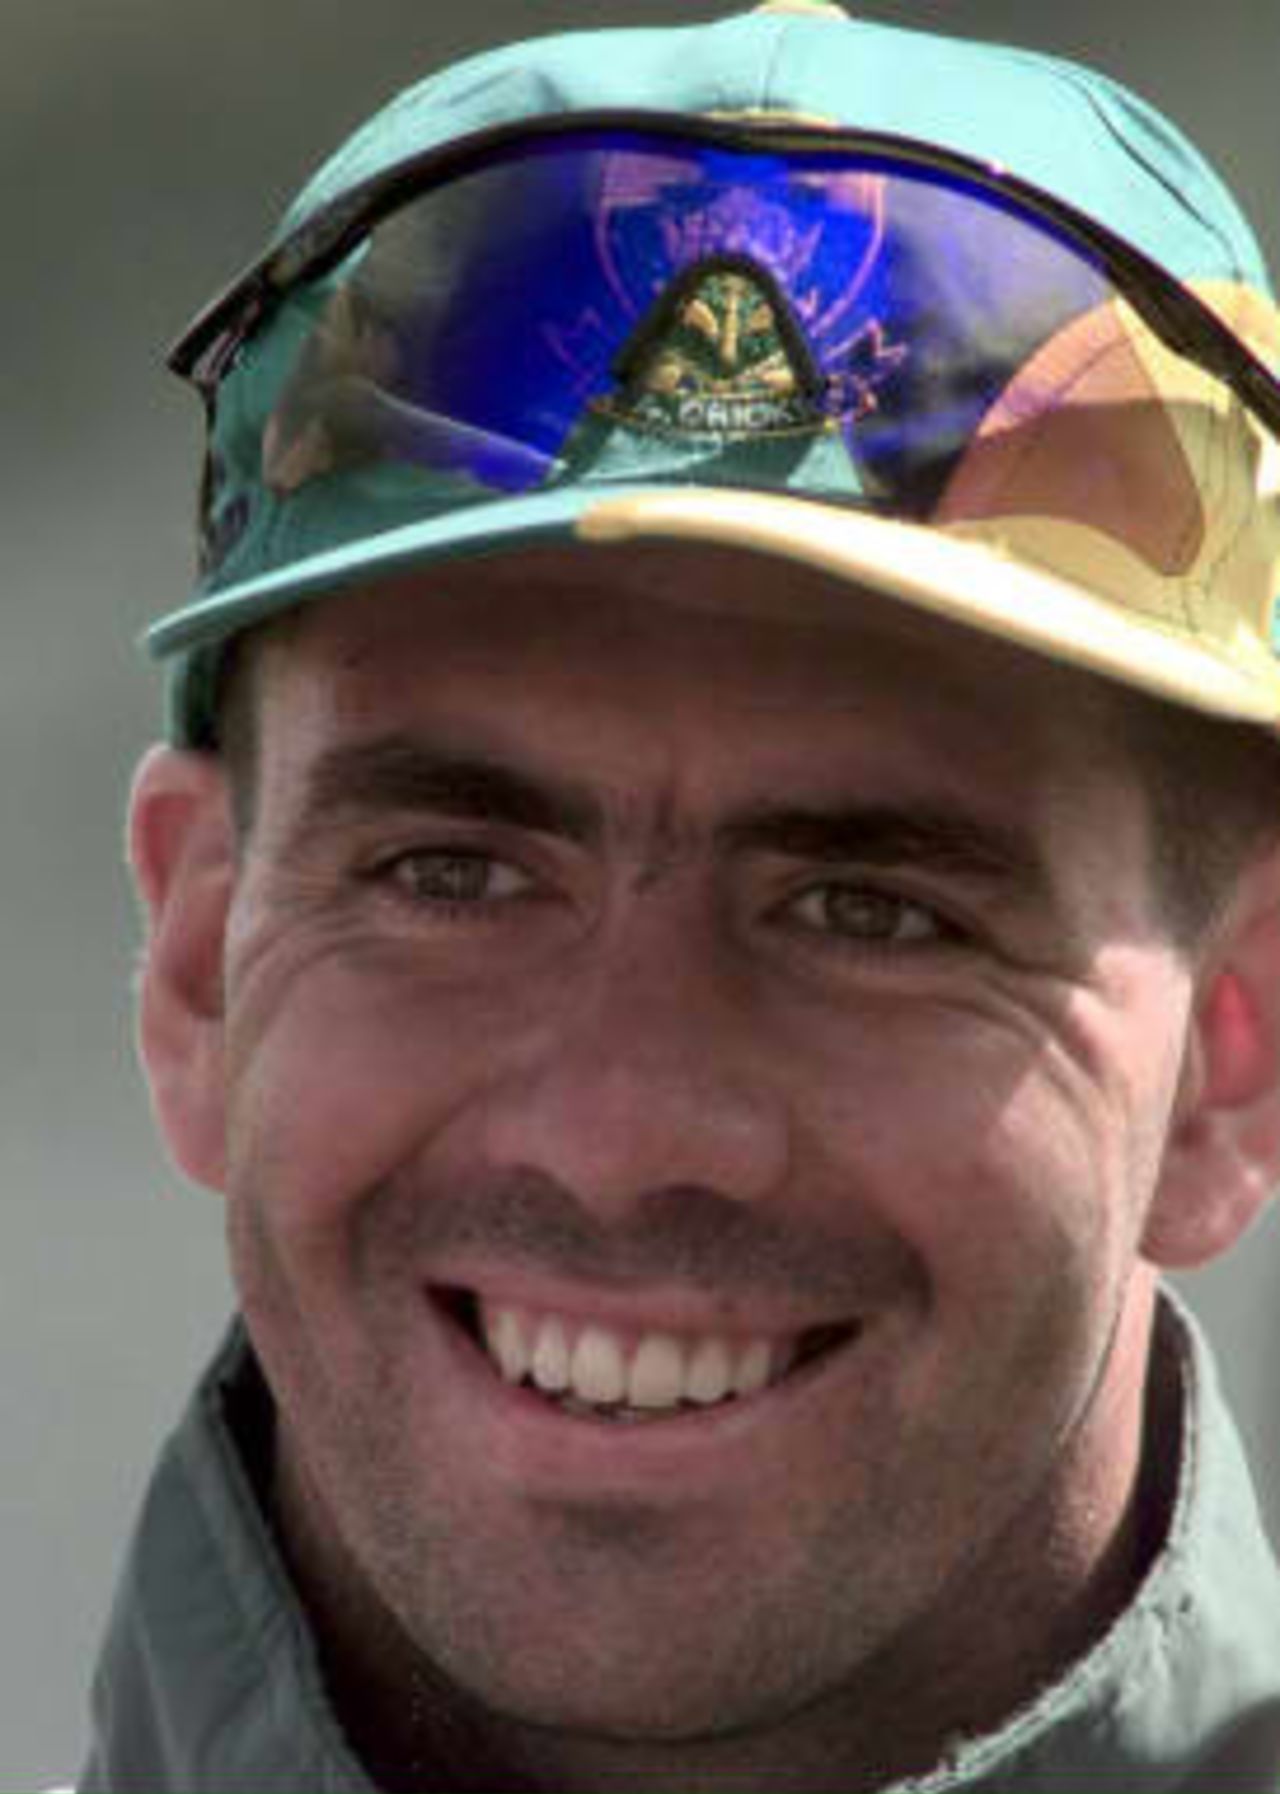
(715, 920)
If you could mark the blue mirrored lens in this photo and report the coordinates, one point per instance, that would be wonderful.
(610, 305)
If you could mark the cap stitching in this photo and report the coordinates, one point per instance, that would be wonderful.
(781, 28)
(1178, 194)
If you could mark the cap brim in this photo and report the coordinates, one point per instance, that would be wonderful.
(972, 583)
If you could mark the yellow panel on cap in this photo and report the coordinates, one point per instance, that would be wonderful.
(817, 7)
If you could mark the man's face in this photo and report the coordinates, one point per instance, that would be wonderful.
(668, 971)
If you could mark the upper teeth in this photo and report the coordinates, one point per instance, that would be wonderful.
(610, 1369)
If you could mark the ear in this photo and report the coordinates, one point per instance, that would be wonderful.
(1223, 1158)
(183, 851)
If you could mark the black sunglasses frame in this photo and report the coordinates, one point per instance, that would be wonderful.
(207, 348)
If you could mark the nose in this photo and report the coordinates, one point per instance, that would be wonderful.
(650, 1073)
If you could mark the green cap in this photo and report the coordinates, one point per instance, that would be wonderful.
(1195, 627)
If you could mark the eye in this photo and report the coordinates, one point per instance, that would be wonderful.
(862, 915)
(454, 878)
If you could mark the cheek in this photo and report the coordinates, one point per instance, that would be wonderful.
(1015, 1160)
(337, 1075)
(337, 1068)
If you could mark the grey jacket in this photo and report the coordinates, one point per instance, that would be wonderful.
(208, 1681)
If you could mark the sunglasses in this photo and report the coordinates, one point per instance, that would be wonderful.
(649, 192)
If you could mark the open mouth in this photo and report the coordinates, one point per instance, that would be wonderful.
(599, 1372)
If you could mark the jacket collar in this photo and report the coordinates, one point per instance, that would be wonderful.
(209, 1678)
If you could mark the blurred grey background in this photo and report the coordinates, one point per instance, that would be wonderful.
(145, 147)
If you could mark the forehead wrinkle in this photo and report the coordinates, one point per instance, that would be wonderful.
(658, 840)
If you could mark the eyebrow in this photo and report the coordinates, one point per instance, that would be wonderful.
(400, 773)
(938, 837)
(396, 773)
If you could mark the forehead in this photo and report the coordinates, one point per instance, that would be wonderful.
(694, 653)
(692, 635)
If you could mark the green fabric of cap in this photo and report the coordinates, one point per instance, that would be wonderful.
(1055, 123)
